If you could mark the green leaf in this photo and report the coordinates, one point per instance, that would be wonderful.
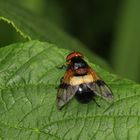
(125, 56)
(30, 26)
(29, 76)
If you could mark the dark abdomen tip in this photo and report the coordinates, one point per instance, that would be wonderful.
(84, 94)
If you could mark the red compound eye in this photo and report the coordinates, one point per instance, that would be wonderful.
(73, 54)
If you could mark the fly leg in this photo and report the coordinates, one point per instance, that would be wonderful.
(96, 102)
(60, 82)
(64, 66)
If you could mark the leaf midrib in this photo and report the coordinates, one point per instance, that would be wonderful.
(68, 119)
(38, 131)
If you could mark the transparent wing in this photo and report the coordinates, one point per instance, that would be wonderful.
(65, 94)
(101, 89)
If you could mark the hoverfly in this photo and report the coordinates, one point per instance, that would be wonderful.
(80, 81)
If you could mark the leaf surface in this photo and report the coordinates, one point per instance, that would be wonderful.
(29, 76)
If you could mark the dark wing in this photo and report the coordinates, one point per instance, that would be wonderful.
(100, 88)
(65, 91)
(65, 94)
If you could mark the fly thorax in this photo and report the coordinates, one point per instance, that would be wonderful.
(79, 66)
(80, 71)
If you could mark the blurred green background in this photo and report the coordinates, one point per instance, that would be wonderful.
(108, 28)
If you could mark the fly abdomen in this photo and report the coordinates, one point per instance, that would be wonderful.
(84, 94)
